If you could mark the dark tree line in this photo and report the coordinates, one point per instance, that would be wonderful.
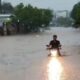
(31, 19)
(6, 7)
(27, 18)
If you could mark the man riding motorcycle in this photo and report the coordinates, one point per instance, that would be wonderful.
(54, 44)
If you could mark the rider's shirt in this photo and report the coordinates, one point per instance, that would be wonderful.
(55, 43)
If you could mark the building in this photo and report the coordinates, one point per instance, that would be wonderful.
(3, 19)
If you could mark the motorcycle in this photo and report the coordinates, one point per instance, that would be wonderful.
(53, 52)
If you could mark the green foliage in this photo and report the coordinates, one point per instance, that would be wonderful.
(7, 8)
(32, 18)
(75, 14)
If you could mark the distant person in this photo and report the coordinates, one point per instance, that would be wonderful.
(55, 44)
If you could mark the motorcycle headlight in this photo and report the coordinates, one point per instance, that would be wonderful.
(53, 52)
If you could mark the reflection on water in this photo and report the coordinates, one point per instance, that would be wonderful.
(54, 69)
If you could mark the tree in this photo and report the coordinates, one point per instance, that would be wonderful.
(32, 18)
(75, 14)
(7, 8)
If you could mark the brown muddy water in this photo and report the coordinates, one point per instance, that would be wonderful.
(24, 57)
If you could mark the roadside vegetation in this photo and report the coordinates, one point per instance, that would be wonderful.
(75, 14)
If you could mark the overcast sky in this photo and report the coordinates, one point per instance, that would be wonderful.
(52, 4)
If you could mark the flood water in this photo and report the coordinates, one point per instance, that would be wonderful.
(24, 57)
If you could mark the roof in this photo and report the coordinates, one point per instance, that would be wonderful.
(5, 15)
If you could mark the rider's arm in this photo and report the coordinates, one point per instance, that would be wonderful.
(50, 44)
(59, 44)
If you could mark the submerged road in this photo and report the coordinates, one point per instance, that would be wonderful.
(24, 57)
